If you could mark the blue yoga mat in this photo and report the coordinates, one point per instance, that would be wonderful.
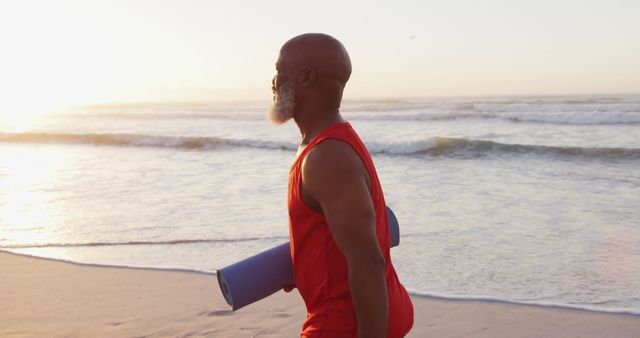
(264, 274)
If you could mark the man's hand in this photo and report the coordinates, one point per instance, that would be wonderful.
(336, 181)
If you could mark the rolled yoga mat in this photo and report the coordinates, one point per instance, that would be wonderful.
(264, 274)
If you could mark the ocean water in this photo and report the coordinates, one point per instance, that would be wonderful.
(518, 199)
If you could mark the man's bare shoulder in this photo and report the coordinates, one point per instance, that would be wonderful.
(332, 157)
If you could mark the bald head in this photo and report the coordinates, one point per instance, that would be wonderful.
(320, 52)
(312, 71)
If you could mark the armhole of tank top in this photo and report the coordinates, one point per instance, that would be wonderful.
(302, 202)
(300, 162)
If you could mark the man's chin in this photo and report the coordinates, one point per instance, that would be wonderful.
(277, 118)
(279, 122)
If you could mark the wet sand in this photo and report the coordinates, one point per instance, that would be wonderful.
(49, 298)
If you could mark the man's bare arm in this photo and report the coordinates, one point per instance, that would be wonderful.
(335, 177)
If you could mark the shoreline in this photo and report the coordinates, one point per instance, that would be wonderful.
(49, 297)
(412, 293)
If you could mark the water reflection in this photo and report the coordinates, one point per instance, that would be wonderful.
(29, 212)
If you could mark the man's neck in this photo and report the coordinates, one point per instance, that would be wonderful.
(311, 123)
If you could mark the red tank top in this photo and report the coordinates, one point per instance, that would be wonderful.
(320, 269)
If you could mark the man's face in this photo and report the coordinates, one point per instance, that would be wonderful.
(283, 104)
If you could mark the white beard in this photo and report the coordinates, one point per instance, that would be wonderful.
(283, 106)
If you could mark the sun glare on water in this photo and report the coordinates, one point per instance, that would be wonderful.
(26, 194)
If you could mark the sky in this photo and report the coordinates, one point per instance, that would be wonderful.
(69, 52)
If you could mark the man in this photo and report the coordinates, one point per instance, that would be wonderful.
(337, 217)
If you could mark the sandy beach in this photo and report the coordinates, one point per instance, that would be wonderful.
(48, 298)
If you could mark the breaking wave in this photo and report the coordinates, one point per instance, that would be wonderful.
(436, 146)
(137, 140)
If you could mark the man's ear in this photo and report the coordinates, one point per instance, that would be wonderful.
(309, 77)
